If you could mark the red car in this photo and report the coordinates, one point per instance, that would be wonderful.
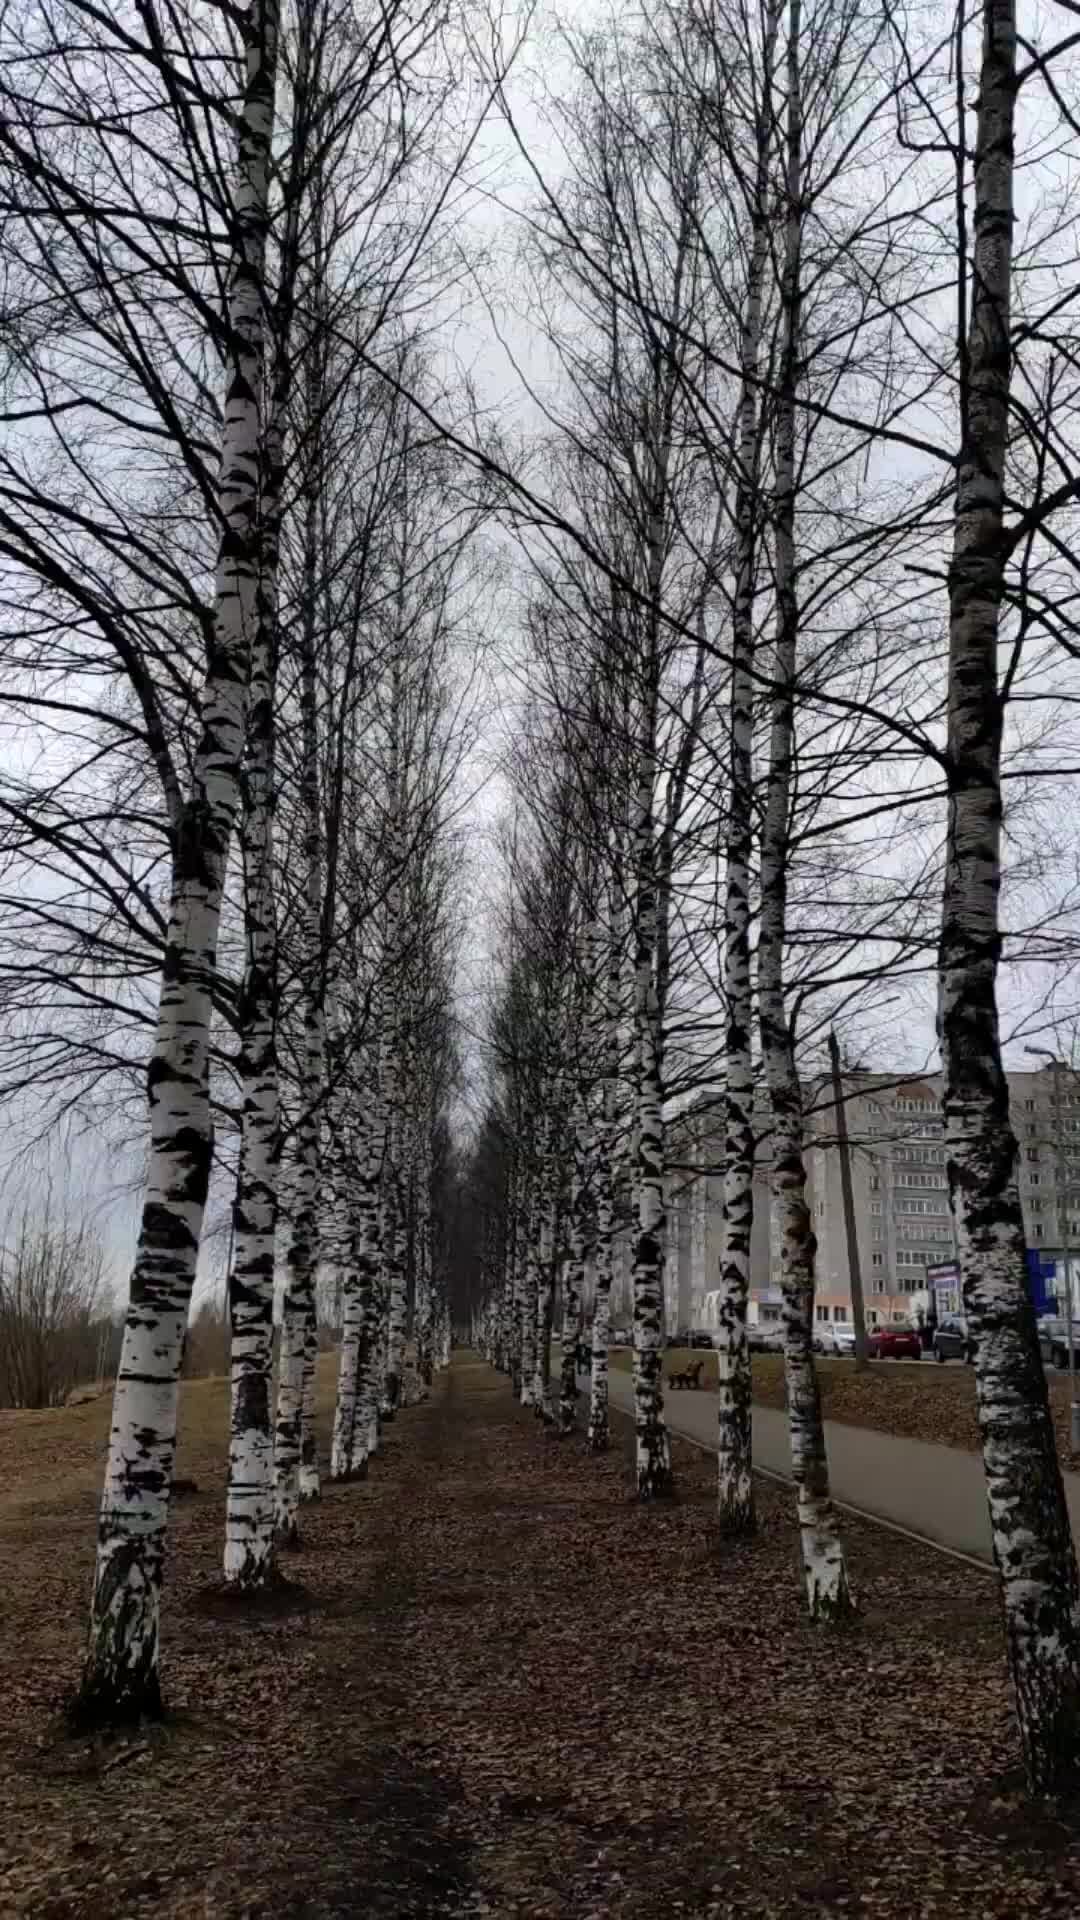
(894, 1343)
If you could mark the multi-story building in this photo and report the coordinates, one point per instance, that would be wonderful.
(901, 1205)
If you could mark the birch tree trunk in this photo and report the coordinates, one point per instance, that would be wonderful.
(424, 1311)
(393, 1265)
(121, 1674)
(349, 1449)
(735, 1483)
(828, 1593)
(598, 1437)
(654, 1479)
(249, 1508)
(513, 1274)
(296, 1464)
(574, 1271)
(545, 1281)
(290, 1395)
(393, 1224)
(342, 1445)
(1033, 1546)
(530, 1291)
(305, 1244)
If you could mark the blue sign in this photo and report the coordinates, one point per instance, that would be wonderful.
(1042, 1274)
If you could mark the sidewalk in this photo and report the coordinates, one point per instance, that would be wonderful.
(933, 1490)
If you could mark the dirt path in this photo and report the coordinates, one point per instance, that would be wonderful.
(515, 1693)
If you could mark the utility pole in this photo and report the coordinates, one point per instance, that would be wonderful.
(854, 1269)
(1061, 1175)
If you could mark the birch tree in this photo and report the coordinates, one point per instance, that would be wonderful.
(121, 1676)
(1033, 1547)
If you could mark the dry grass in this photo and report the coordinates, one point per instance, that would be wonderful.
(916, 1399)
(513, 1692)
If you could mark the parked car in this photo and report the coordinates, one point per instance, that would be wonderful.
(840, 1337)
(689, 1337)
(766, 1337)
(894, 1343)
(951, 1341)
(1054, 1341)
(620, 1337)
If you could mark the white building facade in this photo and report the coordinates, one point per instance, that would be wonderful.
(900, 1191)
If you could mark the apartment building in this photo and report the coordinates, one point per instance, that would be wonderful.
(901, 1204)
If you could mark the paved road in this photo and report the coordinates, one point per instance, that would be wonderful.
(933, 1490)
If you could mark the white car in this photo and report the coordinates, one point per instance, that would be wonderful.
(839, 1337)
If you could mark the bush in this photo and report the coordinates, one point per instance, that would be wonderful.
(54, 1334)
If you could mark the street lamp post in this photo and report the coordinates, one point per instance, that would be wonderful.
(1063, 1214)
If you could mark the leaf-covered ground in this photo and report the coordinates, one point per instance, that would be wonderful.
(918, 1400)
(511, 1692)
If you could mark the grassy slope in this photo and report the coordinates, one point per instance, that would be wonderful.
(916, 1399)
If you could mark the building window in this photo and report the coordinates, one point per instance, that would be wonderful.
(1033, 1153)
(875, 1183)
(1030, 1105)
(840, 1313)
(877, 1259)
(822, 1312)
(1037, 1230)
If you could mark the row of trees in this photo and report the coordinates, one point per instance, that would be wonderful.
(240, 678)
(775, 727)
(242, 531)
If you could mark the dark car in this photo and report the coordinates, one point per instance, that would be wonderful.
(766, 1337)
(1054, 1341)
(951, 1341)
(894, 1343)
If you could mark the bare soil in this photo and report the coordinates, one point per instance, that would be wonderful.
(510, 1691)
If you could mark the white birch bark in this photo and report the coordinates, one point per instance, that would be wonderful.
(735, 1484)
(512, 1281)
(1032, 1542)
(394, 1274)
(349, 1447)
(393, 1265)
(530, 1293)
(545, 1285)
(609, 1006)
(352, 1326)
(425, 1323)
(369, 1387)
(295, 1461)
(290, 1393)
(121, 1674)
(574, 1270)
(249, 1508)
(654, 1479)
(828, 1592)
(304, 1255)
